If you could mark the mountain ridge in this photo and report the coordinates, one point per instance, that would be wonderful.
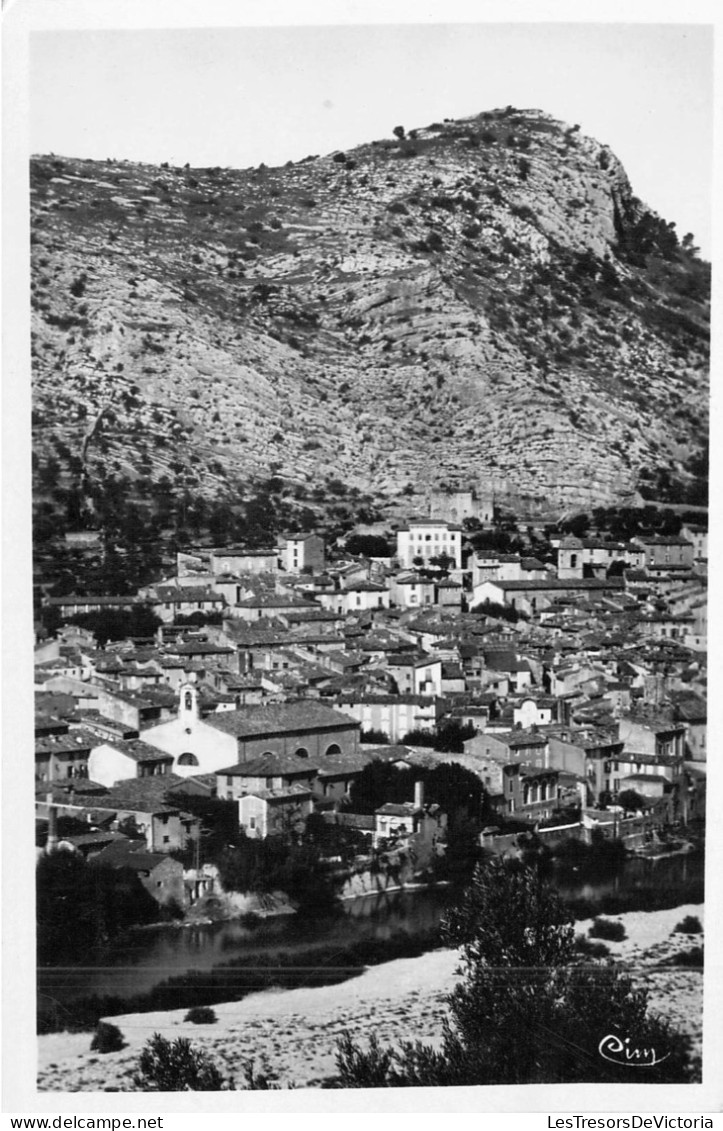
(488, 290)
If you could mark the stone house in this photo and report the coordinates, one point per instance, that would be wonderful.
(587, 753)
(667, 552)
(302, 552)
(181, 601)
(411, 590)
(416, 675)
(487, 767)
(691, 709)
(271, 605)
(533, 597)
(237, 559)
(413, 824)
(274, 812)
(528, 746)
(63, 755)
(362, 596)
(449, 593)
(529, 792)
(141, 804)
(393, 715)
(161, 876)
(698, 536)
(269, 772)
(114, 761)
(649, 734)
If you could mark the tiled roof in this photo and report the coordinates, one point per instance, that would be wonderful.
(94, 599)
(271, 765)
(139, 751)
(77, 740)
(291, 793)
(406, 809)
(143, 794)
(556, 583)
(183, 594)
(279, 718)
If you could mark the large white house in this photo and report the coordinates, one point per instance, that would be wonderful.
(428, 538)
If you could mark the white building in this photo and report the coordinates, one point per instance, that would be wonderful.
(302, 551)
(428, 538)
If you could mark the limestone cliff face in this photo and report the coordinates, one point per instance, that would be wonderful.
(479, 301)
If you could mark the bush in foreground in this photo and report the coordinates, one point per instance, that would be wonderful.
(177, 1066)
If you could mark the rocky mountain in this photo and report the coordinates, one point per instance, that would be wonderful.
(481, 302)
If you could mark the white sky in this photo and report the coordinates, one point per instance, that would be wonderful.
(239, 96)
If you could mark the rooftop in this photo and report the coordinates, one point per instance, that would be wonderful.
(279, 718)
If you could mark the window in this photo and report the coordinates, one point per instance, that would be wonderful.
(166, 840)
(269, 783)
(334, 748)
(188, 759)
(252, 822)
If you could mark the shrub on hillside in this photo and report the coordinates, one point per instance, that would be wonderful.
(608, 929)
(107, 1038)
(691, 925)
(590, 949)
(692, 957)
(201, 1015)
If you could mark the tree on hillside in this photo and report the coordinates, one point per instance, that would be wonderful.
(526, 1010)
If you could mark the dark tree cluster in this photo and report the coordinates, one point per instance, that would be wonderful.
(83, 906)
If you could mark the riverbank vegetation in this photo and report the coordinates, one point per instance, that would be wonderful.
(323, 964)
(528, 1010)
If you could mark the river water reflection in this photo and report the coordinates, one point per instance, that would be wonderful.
(152, 956)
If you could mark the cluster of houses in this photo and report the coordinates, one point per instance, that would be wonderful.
(277, 675)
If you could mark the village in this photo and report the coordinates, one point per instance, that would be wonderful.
(571, 685)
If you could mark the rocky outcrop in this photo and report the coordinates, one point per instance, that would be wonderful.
(482, 300)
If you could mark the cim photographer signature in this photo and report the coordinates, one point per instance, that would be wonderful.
(619, 1050)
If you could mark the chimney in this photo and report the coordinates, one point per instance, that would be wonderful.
(419, 795)
(52, 842)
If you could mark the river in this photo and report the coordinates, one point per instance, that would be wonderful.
(152, 956)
